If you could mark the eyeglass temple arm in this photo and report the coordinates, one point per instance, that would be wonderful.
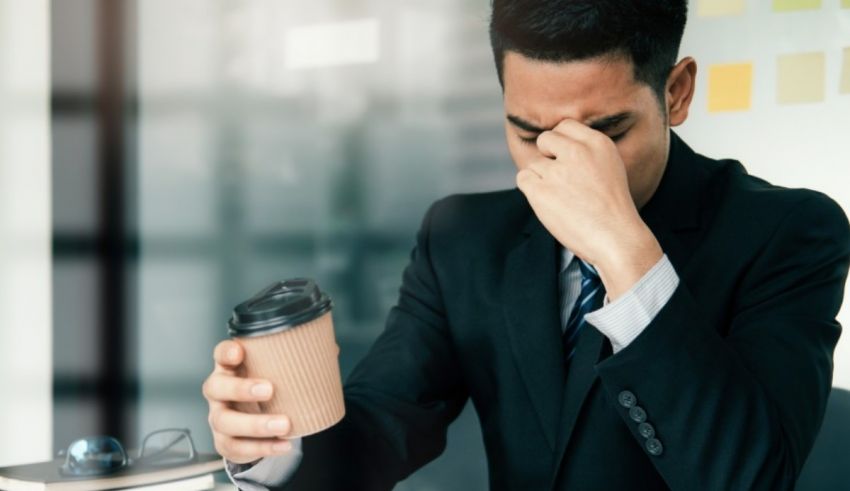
(174, 442)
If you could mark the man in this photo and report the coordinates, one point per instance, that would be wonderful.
(633, 316)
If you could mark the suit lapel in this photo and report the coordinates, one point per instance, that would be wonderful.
(580, 378)
(531, 304)
(531, 298)
(673, 216)
(593, 347)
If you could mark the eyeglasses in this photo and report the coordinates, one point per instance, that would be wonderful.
(98, 455)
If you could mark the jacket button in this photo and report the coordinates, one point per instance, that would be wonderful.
(654, 447)
(637, 414)
(646, 430)
(627, 399)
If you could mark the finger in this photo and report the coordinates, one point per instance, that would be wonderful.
(539, 167)
(244, 407)
(228, 354)
(238, 424)
(252, 407)
(576, 130)
(229, 388)
(243, 450)
(553, 144)
(527, 180)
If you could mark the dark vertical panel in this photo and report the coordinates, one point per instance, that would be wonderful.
(111, 315)
(74, 215)
(127, 121)
(91, 177)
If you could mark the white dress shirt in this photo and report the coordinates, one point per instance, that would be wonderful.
(621, 321)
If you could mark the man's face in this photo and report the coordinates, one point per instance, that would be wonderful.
(600, 93)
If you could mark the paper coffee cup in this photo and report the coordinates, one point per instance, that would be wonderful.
(287, 333)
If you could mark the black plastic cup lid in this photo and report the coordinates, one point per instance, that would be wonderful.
(278, 307)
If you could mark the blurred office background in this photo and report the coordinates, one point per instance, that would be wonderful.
(162, 161)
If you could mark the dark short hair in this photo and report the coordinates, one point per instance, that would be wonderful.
(647, 32)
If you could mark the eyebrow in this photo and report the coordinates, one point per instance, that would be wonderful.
(601, 124)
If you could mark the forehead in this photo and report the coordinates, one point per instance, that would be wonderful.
(547, 92)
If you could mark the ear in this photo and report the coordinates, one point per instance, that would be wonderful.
(680, 90)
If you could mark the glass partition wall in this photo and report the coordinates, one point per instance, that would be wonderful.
(242, 142)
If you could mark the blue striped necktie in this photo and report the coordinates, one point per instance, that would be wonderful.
(591, 298)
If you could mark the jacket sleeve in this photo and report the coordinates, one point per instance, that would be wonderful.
(399, 399)
(739, 406)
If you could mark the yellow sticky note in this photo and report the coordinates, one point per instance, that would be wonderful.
(790, 5)
(800, 78)
(844, 86)
(730, 87)
(845, 4)
(717, 8)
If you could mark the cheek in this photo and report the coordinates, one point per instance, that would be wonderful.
(515, 151)
(640, 164)
(634, 161)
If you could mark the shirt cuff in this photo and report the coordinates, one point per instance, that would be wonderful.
(266, 472)
(625, 318)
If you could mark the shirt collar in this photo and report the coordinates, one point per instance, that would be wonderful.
(566, 258)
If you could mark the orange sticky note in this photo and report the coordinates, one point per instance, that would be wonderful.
(730, 87)
(718, 8)
(791, 5)
(800, 78)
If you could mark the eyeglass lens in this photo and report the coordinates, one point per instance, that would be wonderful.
(167, 446)
(94, 455)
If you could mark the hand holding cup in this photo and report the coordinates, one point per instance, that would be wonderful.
(242, 437)
(278, 376)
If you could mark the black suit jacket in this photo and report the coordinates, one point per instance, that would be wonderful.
(732, 374)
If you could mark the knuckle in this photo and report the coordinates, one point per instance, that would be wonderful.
(522, 177)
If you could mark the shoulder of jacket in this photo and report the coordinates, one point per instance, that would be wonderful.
(477, 209)
(758, 201)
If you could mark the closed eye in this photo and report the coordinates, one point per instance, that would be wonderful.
(533, 140)
(528, 141)
(619, 137)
